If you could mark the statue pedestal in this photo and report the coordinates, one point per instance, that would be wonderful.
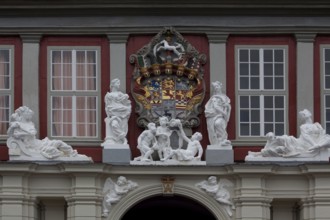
(116, 154)
(219, 155)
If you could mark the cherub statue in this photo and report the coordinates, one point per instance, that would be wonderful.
(113, 192)
(163, 134)
(146, 143)
(218, 191)
(194, 147)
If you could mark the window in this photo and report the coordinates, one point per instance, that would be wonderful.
(325, 54)
(74, 73)
(74, 94)
(6, 86)
(262, 90)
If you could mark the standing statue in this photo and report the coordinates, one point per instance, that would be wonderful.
(113, 192)
(194, 147)
(23, 144)
(311, 141)
(218, 191)
(217, 113)
(118, 109)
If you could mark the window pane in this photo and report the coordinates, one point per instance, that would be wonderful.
(327, 69)
(244, 102)
(254, 55)
(243, 55)
(279, 115)
(279, 55)
(245, 116)
(268, 69)
(255, 69)
(279, 101)
(268, 101)
(279, 69)
(255, 102)
(244, 130)
(4, 56)
(268, 55)
(255, 116)
(81, 57)
(255, 83)
(255, 129)
(279, 83)
(327, 54)
(244, 69)
(67, 57)
(244, 82)
(269, 116)
(4, 114)
(268, 128)
(327, 82)
(279, 129)
(268, 82)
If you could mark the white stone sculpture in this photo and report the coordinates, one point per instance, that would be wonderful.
(113, 192)
(217, 113)
(218, 191)
(23, 144)
(313, 143)
(118, 109)
(194, 149)
(146, 143)
(163, 134)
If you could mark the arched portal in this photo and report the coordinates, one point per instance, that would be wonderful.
(173, 207)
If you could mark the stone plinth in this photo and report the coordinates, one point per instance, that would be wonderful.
(219, 155)
(116, 154)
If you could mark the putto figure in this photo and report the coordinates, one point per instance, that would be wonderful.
(217, 113)
(218, 191)
(113, 192)
(118, 109)
(23, 144)
(147, 142)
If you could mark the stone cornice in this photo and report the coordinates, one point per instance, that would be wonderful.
(305, 37)
(30, 37)
(215, 37)
(118, 37)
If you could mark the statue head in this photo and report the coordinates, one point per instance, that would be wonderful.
(115, 83)
(305, 116)
(217, 87)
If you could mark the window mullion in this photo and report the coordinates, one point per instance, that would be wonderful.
(261, 69)
(262, 116)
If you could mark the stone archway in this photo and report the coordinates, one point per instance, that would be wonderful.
(163, 208)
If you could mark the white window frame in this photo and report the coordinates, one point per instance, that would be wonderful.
(261, 92)
(10, 91)
(75, 93)
(324, 91)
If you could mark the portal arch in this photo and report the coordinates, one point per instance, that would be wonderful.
(183, 191)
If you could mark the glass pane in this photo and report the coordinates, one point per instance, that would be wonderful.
(67, 83)
(268, 101)
(244, 102)
(327, 54)
(268, 55)
(268, 128)
(80, 116)
(279, 101)
(279, 129)
(279, 69)
(328, 128)
(327, 82)
(243, 55)
(279, 115)
(254, 69)
(269, 116)
(244, 83)
(268, 83)
(255, 129)
(327, 101)
(279, 83)
(56, 102)
(254, 55)
(67, 70)
(255, 102)
(80, 68)
(244, 129)
(279, 56)
(327, 115)
(255, 116)
(81, 83)
(327, 68)
(268, 69)
(91, 56)
(80, 57)
(67, 102)
(4, 56)
(67, 130)
(67, 57)
(67, 115)
(255, 83)
(244, 116)
(244, 69)
(56, 56)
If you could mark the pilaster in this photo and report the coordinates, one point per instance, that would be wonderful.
(305, 72)
(217, 42)
(118, 57)
(30, 74)
(251, 202)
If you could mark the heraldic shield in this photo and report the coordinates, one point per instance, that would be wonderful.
(168, 80)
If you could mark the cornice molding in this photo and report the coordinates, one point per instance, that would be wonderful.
(30, 37)
(117, 37)
(217, 37)
(305, 37)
